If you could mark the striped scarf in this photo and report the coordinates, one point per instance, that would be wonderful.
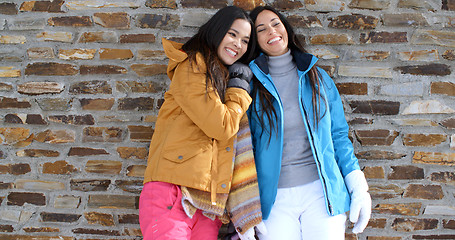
(242, 205)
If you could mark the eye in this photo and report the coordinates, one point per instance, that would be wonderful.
(245, 42)
(260, 30)
(276, 24)
(232, 34)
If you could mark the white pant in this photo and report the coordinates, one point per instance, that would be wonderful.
(299, 213)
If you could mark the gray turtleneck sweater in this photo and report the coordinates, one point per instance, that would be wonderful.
(297, 165)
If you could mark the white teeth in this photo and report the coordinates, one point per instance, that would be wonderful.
(274, 40)
(231, 52)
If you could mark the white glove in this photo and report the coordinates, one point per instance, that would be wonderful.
(360, 200)
(249, 234)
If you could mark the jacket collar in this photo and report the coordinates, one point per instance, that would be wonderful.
(304, 61)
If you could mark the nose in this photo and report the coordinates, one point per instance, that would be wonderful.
(271, 31)
(237, 43)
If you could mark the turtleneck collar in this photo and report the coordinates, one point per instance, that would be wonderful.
(281, 64)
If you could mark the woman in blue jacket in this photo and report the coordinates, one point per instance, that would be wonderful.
(308, 174)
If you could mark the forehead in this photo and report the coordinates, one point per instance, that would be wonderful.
(265, 17)
(241, 26)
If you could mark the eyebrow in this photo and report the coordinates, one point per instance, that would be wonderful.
(238, 32)
(271, 20)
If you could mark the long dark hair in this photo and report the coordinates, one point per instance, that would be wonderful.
(265, 98)
(207, 40)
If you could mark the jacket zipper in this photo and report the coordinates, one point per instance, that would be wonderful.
(324, 184)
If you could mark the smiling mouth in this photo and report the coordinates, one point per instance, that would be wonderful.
(275, 39)
(231, 52)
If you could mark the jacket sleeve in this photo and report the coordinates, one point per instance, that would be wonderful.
(203, 106)
(344, 151)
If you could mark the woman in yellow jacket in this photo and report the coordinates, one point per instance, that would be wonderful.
(192, 146)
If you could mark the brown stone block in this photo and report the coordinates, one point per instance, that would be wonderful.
(21, 198)
(10, 72)
(135, 232)
(86, 185)
(298, 21)
(113, 201)
(8, 8)
(359, 120)
(161, 4)
(333, 39)
(443, 177)
(434, 69)
(40, 53)
(287, 5)
(248, 5)
(91, 87)
(37, 153)
(76, 54)
(377, 223)
(374, 172)
(144, 70)
(383, 37)
(409, 224)
(112, 53)
(100, 37)
(73, 119)
(354, 22)
(128, 219)
(102, 69)
(137, 38)
(434, 237)
(449, 123)
(5, 87)
(38, 88)
(13, 118)
(429, 192)
(449, 54)
(136, 171)
(55, 104)
(448, 224)
(20, 168)
(423, 139)
(103, 219)
(50, 69)
(96, 232)
(102, 134)
(445, 88)
(84, 151)
(147, 54)
(96, 104)
(383, 238)
(165, 22)
(40, 229)
(6, 228)
(4, 185)
(140, 133)
(56, 136)
(59, 167)
(13, 135)
(375, 107)
(406, 172)
(141, 103)
(370, 4)
(35, 119)
(376, 137)
(42, 6)
(448, 5)
(351, 88)
(70, 21)
(434, 158)
(132, 152)
(409, 209)
(132, 186)
(59, 217)
(13, 103)
(120, 20)
(139, 87)
(103, 166)
(213, 4)
(350, 236)
(5, 169)
(382, 191)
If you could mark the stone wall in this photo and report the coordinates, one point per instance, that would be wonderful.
(81, 83)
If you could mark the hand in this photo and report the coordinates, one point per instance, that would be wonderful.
(249, 234)
(240, 70)
(360, 211)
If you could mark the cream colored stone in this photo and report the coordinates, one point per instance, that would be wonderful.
(452, 142)
(40, 87)
(433, 37)
(422, 55)
(40, 52)
(363, 71)
(76, 54)
(426, 107)
(67, 202)
(55, 36)
(439, 210)
(38, 185)
(9, 72)
(324, 53)
(8, 39)
(325, 5)
(97, 4)
(414, 122)
(10, 215)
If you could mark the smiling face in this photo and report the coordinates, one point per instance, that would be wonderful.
(235, 42)
(271, 33)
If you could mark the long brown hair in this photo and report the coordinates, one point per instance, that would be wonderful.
(264, 97)
(207, 40)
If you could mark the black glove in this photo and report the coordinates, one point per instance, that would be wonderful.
(240, 76)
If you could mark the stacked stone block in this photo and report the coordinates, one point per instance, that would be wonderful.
(82, 81)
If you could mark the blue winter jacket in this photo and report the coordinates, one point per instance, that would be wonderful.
(332, 149)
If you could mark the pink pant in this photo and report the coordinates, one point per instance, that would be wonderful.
(161, 216)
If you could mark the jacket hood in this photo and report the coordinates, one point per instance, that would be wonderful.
(176, 55)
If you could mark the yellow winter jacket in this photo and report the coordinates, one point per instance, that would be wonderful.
(192, 144)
